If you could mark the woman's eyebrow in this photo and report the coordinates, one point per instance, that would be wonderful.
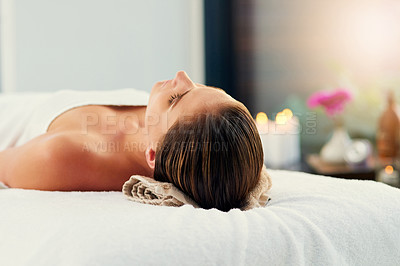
(202, 85)
(180, 98)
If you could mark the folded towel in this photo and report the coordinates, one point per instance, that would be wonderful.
(144, 189)
(147, 190)
(258, 196)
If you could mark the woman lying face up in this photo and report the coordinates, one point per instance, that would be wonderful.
(203, 141)
(196, 137)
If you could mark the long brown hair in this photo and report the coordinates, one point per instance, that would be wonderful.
(215, 158)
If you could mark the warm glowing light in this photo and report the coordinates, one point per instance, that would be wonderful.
(372, 30)
(370, 34)
(288, 113)
(262, 118)
(281, 118)
(389, 169)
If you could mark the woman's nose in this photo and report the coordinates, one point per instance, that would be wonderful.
(182, 77)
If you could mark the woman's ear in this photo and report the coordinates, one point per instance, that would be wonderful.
(150, 157)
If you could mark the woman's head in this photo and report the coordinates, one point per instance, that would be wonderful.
(179, 99)
(211, 149)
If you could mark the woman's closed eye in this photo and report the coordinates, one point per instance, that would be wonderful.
(174, 97)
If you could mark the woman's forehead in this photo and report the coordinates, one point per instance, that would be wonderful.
(204, 98)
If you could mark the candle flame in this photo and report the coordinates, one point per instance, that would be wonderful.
(262, 118)
(281, 118)
(389, 169)
(288, 113)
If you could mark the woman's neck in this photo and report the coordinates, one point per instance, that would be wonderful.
(136, 140)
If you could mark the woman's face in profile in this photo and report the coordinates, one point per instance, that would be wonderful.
(179, 99)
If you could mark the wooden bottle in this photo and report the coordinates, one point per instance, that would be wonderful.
(388, 135)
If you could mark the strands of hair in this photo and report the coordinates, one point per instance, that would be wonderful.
(215, 158)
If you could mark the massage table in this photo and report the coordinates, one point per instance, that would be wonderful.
(310, 220)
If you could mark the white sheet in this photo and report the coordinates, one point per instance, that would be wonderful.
(311, 220)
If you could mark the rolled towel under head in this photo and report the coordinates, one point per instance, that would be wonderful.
(143, 189)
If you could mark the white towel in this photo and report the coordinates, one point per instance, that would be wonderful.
(25, 116)
(15, 113)
(310, 220)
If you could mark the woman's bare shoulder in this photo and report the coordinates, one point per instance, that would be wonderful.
(56, 161)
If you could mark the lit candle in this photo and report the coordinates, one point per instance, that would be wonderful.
(262, 122)
(280, 139)
(389, 176)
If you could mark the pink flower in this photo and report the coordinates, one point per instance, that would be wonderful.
(333, 102)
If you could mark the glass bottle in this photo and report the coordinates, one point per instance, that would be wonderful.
(387, 137)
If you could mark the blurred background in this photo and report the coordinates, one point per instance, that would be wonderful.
(98, 44)
(269, 54)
